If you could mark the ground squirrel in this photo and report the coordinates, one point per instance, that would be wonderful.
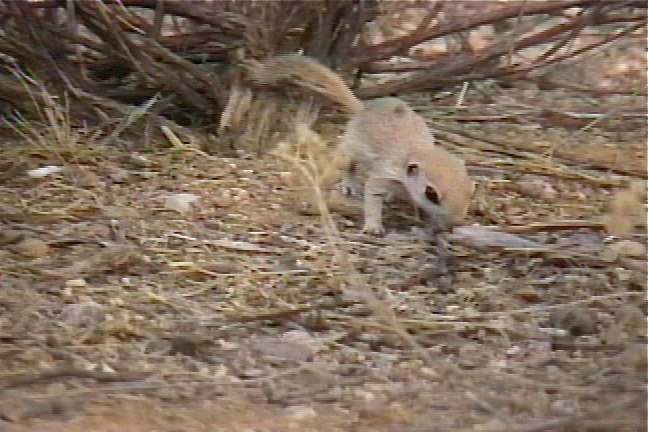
(391, 149)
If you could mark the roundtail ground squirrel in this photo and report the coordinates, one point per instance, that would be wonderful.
(391, 149)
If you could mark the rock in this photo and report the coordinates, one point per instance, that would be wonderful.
(181, 202)
(10, 236)
(529, 294)
(635, 358)
(300, 412)
(632, 320)
(629, 248)
(578, 321)
(44, 171)
(294, 345)
(188, 345)
(86, 314)
(76, 283)
(538, 188)
(31, 248)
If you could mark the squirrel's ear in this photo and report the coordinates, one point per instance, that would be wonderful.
(412, 169)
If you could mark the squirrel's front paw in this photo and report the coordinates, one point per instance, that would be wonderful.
(373, 229)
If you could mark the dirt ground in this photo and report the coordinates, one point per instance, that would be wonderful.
(121, 313)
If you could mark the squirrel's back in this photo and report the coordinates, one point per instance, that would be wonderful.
(387, 127)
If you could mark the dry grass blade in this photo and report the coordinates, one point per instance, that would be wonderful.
(28, 379)
(127, 52)
(356, 287)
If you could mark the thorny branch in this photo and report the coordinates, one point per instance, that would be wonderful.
(113, 56)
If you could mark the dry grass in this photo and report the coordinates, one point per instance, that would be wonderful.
(55, 133)
(242, 314)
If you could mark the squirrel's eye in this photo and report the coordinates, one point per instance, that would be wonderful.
(431, 195)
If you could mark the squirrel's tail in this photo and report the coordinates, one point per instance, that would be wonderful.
(308, 73)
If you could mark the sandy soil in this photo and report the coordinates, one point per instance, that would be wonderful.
(120, 314)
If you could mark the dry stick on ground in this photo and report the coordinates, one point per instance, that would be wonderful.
(552, 226)
(9, 381)
(289, 313)
(194, 378)
(534, 164)
(599, 417)
(596, 91)
(522, 150)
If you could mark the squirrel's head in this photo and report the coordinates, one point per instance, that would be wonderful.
(442, 191)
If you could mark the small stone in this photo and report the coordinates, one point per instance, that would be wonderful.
(117, 212)
(118, 175)
(280, 348)
(364, 395)
(629, 248)
(44, 171)
(528, 294)
(537, 188)
(31, 248)
(300, 412)
(632, 320)
(86, 314)
(139, 160)
(578, 321)
(224, 200)
(187, 345)
(76, 283)
(181, 202)
(635, 358)
(10, 236)
(116, 301)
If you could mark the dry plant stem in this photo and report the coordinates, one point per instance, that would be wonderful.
(138, 387)
(356, 284)
(460, 67)
(599, 417)
(555, 83)
(9, 381)
(289, 313)
(116, 54)
(521, 150)
(552, 226)
(398, 45)
(607, 40)
(544, 308)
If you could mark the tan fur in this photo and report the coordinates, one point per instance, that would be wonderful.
(389, 143)
(625, 212)
(313, 165)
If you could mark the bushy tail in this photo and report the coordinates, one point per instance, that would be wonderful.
(308, 73)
